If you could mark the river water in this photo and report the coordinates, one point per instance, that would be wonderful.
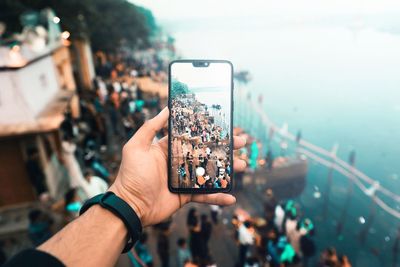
(337, 83)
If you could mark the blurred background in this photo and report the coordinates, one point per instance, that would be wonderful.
(316, 96)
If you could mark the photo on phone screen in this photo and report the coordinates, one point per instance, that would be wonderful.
(200, 126)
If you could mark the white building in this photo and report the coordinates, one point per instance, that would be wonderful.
(36, 88)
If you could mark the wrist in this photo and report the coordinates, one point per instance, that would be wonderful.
(132, 201)
(96, 211)
(119, 207)
(97, 232)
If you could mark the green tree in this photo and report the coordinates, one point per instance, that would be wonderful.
(107, 23)
(178, 88)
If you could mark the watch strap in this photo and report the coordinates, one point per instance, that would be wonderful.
(122, 210)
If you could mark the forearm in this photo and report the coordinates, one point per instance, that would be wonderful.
(97, 238)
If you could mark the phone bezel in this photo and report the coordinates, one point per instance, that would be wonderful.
(199, 190)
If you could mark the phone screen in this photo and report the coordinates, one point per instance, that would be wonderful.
(200, 126)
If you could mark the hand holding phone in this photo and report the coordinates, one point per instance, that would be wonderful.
(142, 177)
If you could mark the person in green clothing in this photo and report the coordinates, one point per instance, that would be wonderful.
(140, 255)
(253, 155)
(183, 253)
(287, 254)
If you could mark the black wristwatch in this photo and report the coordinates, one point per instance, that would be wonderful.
(122, 210)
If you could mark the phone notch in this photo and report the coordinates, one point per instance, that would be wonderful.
(200, 64)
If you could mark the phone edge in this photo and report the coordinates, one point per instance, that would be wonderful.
(231, 141)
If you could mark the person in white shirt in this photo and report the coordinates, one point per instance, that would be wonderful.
(246, 239)
(208, 152)
(71, 164)
(279, 217)
(219, 165)
(96, 185)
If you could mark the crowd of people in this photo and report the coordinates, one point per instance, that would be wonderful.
(110, 114)
(192, 244)
(200, 147)
(89, 153)
(282, 237)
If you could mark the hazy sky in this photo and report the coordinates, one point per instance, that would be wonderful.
(179, 9)
(212, 85)
(216, 75)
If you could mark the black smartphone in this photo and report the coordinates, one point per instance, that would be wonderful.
(200, 101)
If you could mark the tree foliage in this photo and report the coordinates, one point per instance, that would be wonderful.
(107, 23)
(178, 88)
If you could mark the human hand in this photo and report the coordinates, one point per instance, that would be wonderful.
(142, 179)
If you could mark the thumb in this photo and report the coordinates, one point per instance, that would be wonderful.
(145, 135)
(220, 199)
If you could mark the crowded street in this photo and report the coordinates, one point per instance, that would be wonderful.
(200, 147)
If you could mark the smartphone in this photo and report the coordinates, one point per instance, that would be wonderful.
(200, 101)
